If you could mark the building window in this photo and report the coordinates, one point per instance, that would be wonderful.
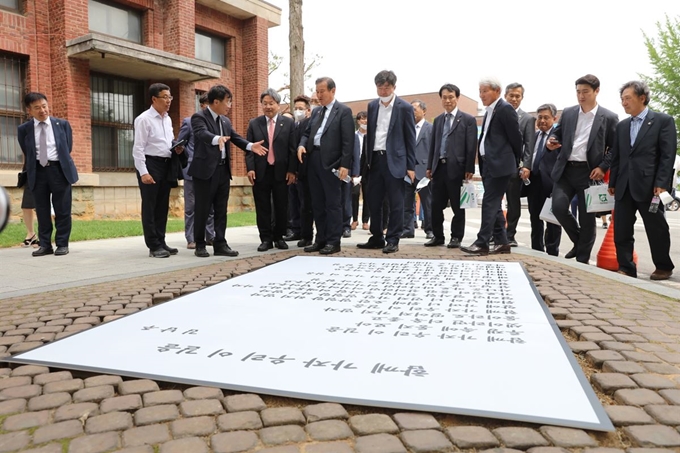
(12, 85)
(211, 48)
(9, 4)
(115, 21)
(114, 103)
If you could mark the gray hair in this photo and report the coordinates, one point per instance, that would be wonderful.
(271, 92)
(420, 103)
(514, 85)
(492, 82)
(551, 107)
(639, 87)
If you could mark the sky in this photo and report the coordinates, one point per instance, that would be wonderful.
(545, 46)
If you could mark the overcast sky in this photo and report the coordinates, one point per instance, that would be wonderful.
(545, 46)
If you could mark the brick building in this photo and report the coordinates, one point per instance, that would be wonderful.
(94, 60)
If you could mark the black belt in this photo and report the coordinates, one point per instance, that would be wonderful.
(50, 163)
(577, 163)
(157, 158)
(442, 160)
(381, 151)
(316, 148)
(222, 162)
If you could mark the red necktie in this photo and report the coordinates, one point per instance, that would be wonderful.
(270, 156)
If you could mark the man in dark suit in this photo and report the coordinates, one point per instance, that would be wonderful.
(500, 149)
(300, 220)
(423, 137)
(642, 168)
(271, 174)
(451, 160)
(211, 167)
(360, 190)
(585, 134)
(327, 142)
(541, 165)
(46, 142)
(514, 93)
(348, 191)
(390, 159)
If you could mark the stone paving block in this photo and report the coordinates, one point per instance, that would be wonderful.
(580, 330)
(472, 437)
(670, 395)
(233, 442)
(277, 435)
(140, 449)
(137, 386)
(190, 444)
(611, 382)
(603, 450)
(324, 411)
(565, 324)
(379, 443)
(597, 358)
(121, 403)
(640, 356)
(95, 443)
(329, 447)
(70, 386)
(94, 394)
(26, 420)
(628, 337)
(510, 450)
(520, 438)
(17, 381)
(596, 336)
(329, 430)
(73, 411)
(653, 381)
(14, 441)
(104, 379)
(637, 397)
(12, 406)
(364, 425)
(62, 430)
(407, 421)
(29, 370)
(650, 347)
(614, 329)
(426, 440)
(203, 393)
(237, 421)
(617, 346)
(277, 416)
(162, 397)
(649, 450)
(628, 415)
(156, 414)
(664, 414)
(281, 449)
(25, 391)
(244, 402)
(624, 367)
(670, 357)
(50, 448)
(661, 368)
(194, 426)
(567, 437)
(146, 435)
(543, 450)
(653, 436)
(195, 408)
(582, 346)
(50, 401)
(113, 421)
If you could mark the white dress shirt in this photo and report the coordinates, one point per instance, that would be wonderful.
(153, 137)
(361, 136)
(489, 114)
(383, 124)
(579, 151)
(51, 142)
(419, 127)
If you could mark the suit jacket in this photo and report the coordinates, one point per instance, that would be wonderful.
(299, 130)
(285, 156)
(461, 143)
(401, 137)
(337, 138)
(63, 138)
(649, 162)
(503, 142)
(356, 155)
(207, 155)
(527, 127)
(423, 149)
(545, 166)
(187, 133)
(600, 141)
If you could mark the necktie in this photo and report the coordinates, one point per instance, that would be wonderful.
(447, 129)
(42, 144)
(539, 153)
(318, 131)
(223, 150)
(270, 155)
(635, 123)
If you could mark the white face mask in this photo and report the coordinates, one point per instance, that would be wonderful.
(299, 115)
(362, 126)
(313, 107)
(385, 99)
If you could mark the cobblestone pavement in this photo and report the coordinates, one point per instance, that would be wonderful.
(626, 339)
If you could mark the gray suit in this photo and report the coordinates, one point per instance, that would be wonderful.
(527, 126)
(422, 150)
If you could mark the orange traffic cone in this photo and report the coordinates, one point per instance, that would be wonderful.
(606, 257)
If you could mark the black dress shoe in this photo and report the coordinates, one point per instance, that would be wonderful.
(292, 237)
(304, 242)
(225, 250)
(61, 251)
(407, 236)
(159, 253)
(474, 249)
(429, 235)
(265, 246)
(434, 242)
(513, 243)
(347, 234)
(391, 248)
(571, 253)
(315, 247)
(329, 249)
(454, 243)
(201, 252)
(500, 249)
(42, 251)
(372, 244)
(281, 244)
(170, 250)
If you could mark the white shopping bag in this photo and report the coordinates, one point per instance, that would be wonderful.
(598, 199)
(468, 196)
(422, 184)
(547, 212)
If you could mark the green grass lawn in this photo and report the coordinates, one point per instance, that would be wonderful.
(86, 230)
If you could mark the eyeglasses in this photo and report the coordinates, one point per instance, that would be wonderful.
(165, 98)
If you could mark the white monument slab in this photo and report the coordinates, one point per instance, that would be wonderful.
(461, 337)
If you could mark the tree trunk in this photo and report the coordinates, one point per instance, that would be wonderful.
(297, 50)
